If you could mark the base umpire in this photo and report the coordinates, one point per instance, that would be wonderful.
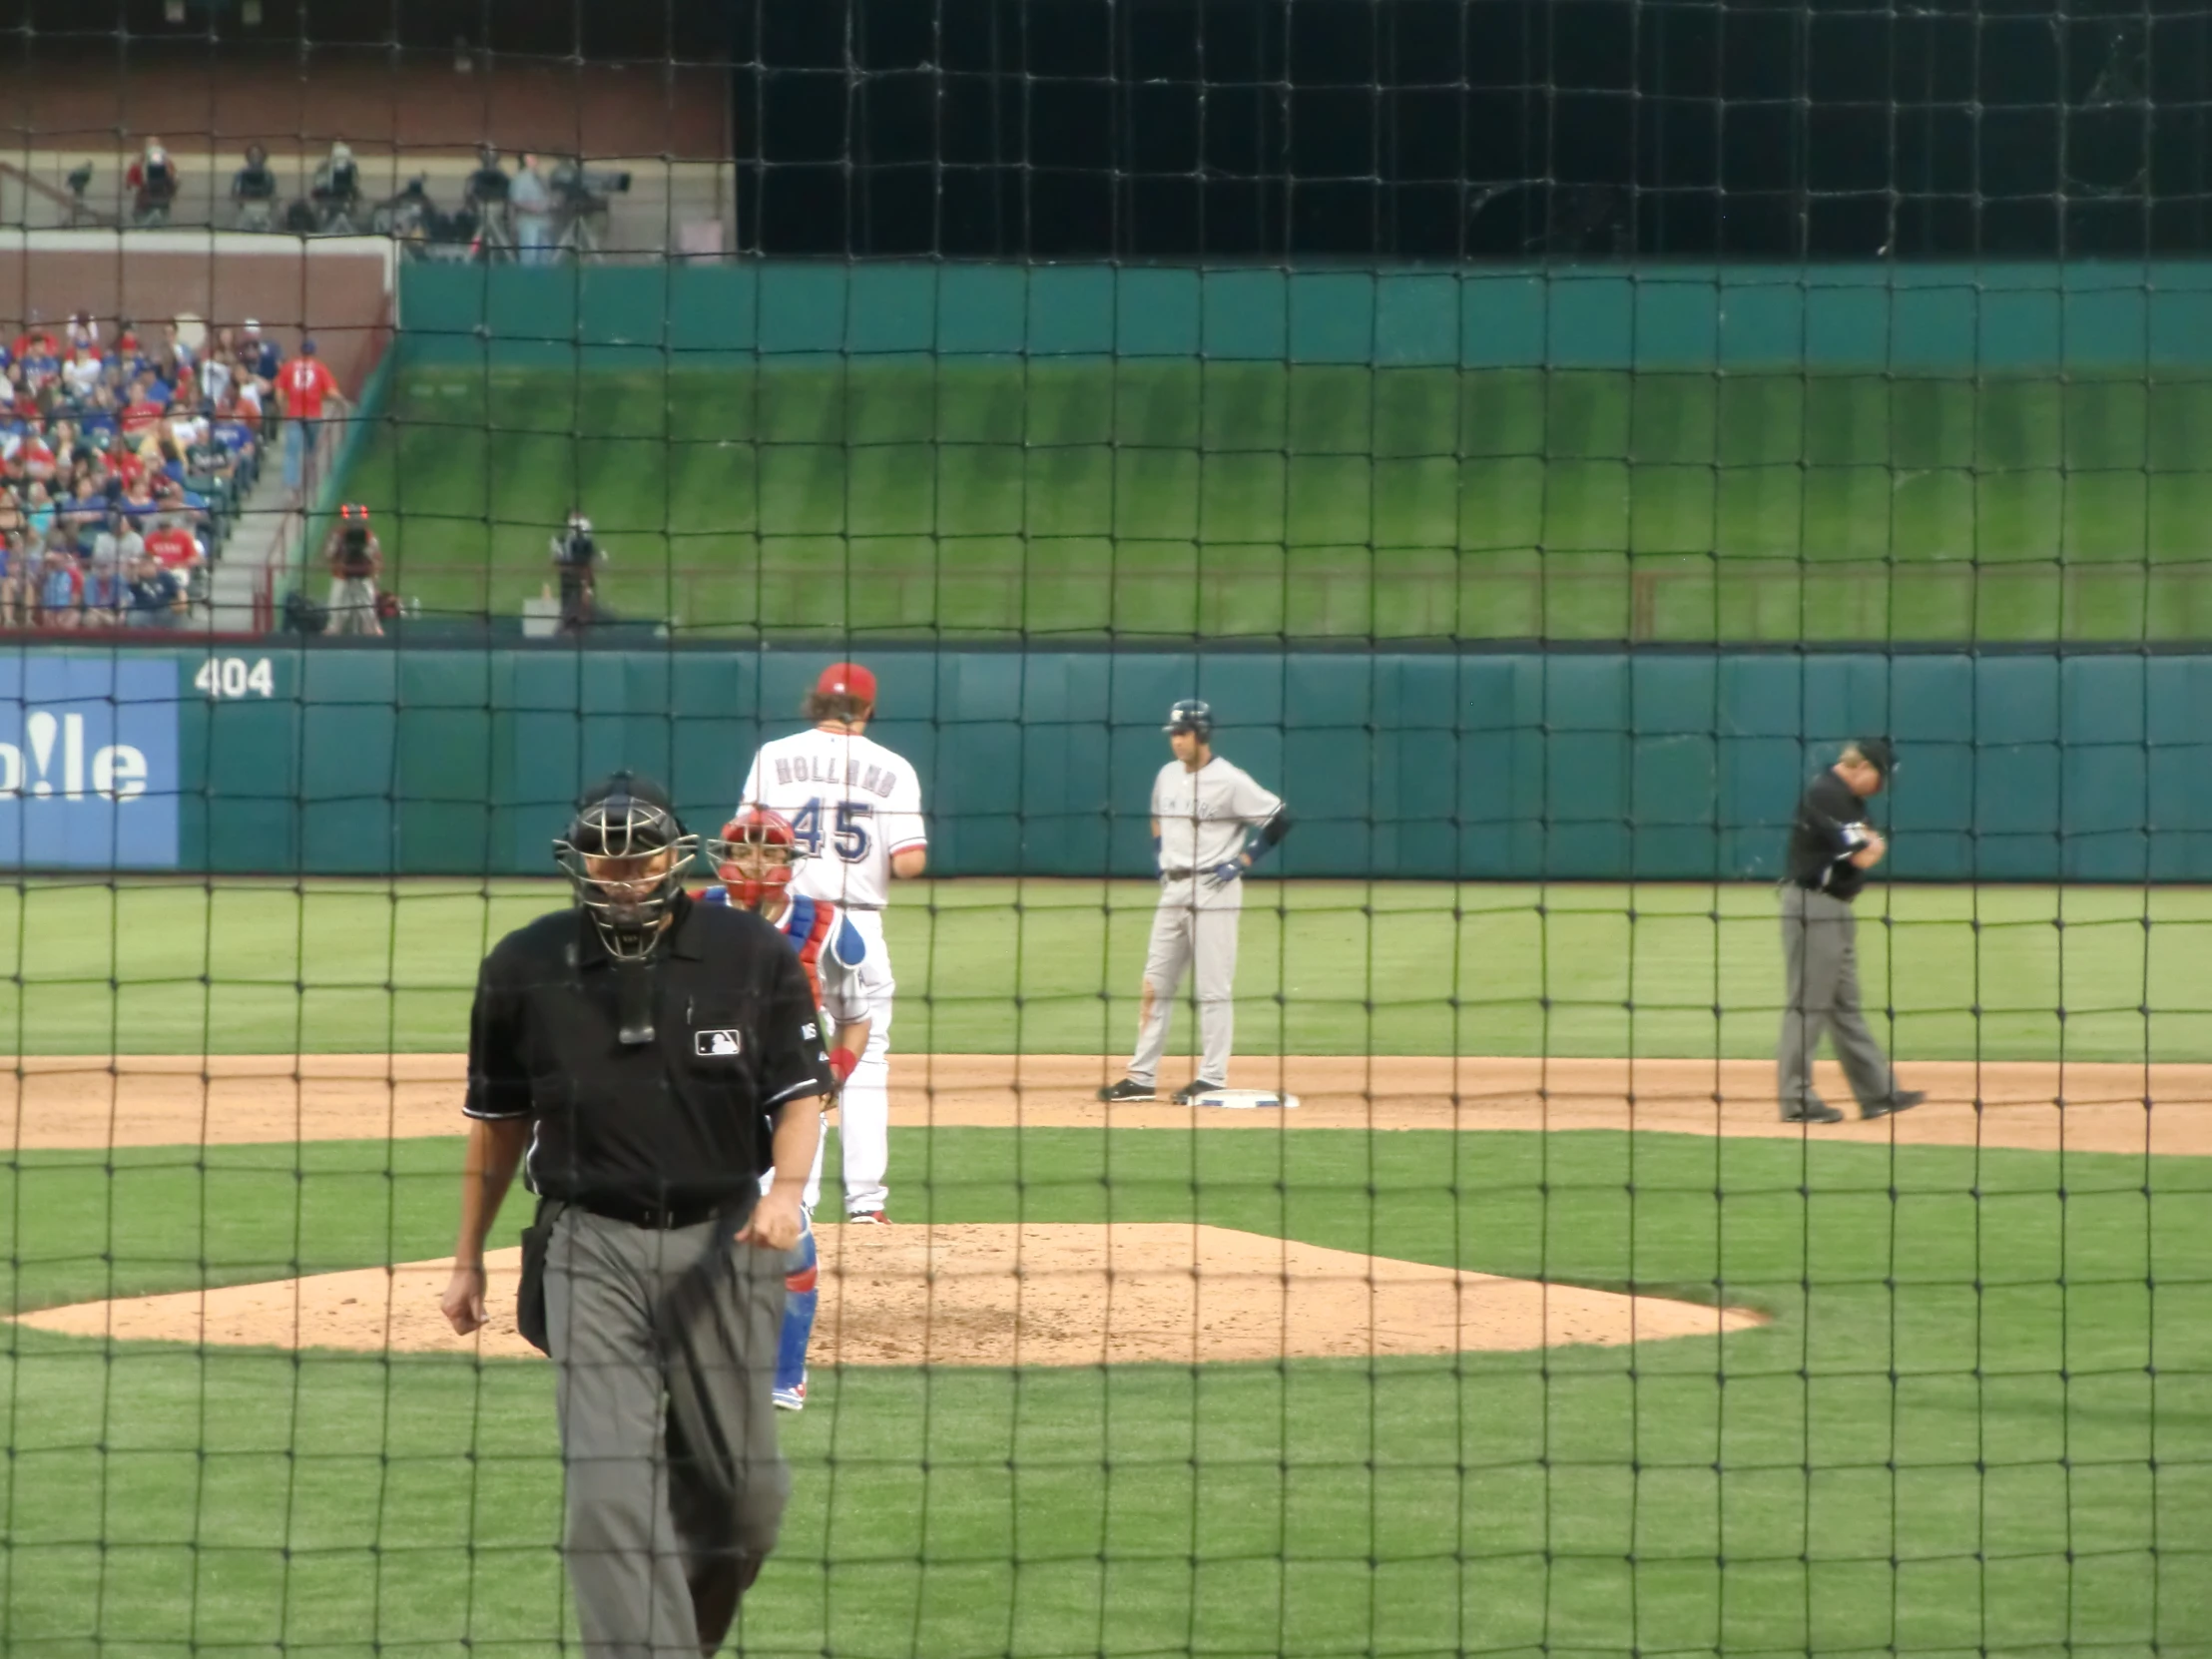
(657, 1057)
(1832, 848)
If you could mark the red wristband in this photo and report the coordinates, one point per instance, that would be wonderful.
(841, 1062)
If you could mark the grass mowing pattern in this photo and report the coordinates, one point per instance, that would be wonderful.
(1167, 499)
(998, 966)
(1952, 1438)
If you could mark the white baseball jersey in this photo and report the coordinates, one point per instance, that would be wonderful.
(1203, 815)
(852, 803)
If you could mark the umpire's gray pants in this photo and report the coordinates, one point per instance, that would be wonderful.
(657, 1542)
(1200, 938)
(1821, 956)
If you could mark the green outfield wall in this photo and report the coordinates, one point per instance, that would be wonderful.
(1944, 318)
(1602, 765)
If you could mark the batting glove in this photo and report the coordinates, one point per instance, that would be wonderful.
(1221, 874)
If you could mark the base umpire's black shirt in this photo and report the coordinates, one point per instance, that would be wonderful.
(1830, 827)
(680, 1121)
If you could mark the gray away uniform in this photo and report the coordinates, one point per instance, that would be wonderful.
(1202, 816)
(1821, 956)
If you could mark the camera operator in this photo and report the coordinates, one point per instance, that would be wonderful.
(533, 209)
(356, 559)
(152, 180)
(337, 188)
(577, 557)
(254, 190)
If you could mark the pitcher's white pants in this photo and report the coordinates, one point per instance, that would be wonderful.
(864, 1115)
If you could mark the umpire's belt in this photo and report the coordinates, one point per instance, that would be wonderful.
(659, 1217)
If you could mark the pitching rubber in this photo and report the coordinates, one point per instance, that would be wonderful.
(1247, 1100)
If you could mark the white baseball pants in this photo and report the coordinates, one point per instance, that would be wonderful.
(864, 1114)
(1188, 934)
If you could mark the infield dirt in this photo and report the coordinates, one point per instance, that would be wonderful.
(162, 1100)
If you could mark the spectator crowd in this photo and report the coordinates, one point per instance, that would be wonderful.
(124, 458)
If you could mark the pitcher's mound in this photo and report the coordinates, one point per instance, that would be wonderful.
(1033, 1295)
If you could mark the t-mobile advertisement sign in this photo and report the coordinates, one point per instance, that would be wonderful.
(87, 761)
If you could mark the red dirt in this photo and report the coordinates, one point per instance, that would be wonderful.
(229, 1099)
(970, 1295)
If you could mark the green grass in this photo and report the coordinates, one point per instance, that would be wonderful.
(1169, 499)
(1950, 1438)
(1050, 966)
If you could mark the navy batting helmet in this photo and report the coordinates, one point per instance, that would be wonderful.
(1190, 715)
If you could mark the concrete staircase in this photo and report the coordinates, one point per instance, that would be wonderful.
(254, 564)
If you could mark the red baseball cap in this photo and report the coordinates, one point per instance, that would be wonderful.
(846, 680)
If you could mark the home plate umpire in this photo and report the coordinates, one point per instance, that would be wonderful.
(642, 1046)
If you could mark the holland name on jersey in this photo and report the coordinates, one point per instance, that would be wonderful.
(829, 769)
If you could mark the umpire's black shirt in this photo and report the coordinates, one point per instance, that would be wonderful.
(1830, 827)
(677, 1122)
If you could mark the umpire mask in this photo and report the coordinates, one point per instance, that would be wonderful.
(624, 853)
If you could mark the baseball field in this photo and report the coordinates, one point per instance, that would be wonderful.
(906, 498)
(1590, 1353)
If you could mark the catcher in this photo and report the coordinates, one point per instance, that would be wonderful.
(754, 856)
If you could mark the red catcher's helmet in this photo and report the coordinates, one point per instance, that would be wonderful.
(754, 856)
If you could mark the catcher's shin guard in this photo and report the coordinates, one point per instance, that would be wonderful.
(799, 1299)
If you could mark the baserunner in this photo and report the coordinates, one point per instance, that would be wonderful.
(1210, 823)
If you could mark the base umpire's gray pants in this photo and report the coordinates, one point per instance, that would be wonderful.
(1203, 940)
(1819, 952)
(660, 1542)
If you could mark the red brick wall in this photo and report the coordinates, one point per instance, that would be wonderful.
(374, 98)
(337, 297)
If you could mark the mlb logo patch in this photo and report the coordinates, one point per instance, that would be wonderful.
(719, 1045)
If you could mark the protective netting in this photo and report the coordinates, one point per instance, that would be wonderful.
(1541, 440)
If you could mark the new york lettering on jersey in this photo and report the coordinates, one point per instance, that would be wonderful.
(1203, 815)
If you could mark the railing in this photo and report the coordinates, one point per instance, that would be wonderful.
(668, 204)
(284, 553)
(1477, 598)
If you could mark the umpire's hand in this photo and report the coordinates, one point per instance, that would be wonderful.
(463, 1302)
(775, 1223)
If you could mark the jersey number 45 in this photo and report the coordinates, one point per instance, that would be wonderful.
(849, 835)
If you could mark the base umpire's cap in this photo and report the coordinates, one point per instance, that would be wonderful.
(1877, 753)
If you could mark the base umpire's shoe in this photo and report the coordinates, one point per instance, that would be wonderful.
(792, 1399)
(867, 1218)
(1903, 1101)
(1128, 1089)
(1813, 1111)
(1189, 1093)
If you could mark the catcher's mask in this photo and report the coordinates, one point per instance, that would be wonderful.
(624, 853)
(754, 856)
